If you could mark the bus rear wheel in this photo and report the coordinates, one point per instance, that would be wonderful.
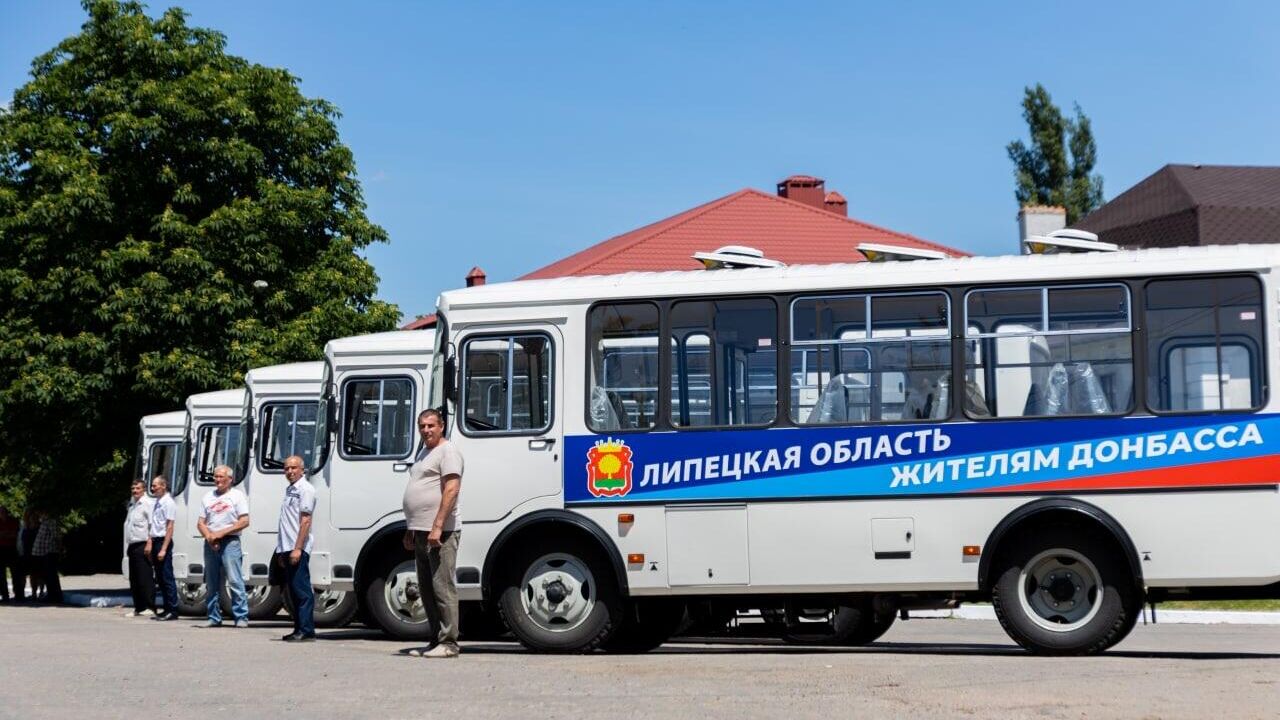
(192, 599)
(1065, 592)
(559, 597)
(264, 601)
(649, 623)
(392, 599)
(334, 608)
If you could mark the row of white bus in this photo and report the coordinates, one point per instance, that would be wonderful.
(1066, 436)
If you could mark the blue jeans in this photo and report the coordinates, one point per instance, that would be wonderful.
(298, 585)
(225, 561)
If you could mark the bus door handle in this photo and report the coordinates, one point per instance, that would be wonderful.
(542, 443)
(400, 467)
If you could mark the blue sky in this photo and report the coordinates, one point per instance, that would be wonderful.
(508, 135)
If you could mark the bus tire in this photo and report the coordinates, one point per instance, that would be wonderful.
(1064, 591)
(392, 599)
(265, 601)
(333, 609)
(559, 596)
(192, 599)
(648, 624)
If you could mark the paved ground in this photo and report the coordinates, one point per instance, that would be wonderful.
(91, 662)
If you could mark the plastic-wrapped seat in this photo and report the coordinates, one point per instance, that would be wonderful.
(839, 401)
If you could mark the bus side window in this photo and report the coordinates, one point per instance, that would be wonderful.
(506, 384)
(724, 367)
(1204, 344)
(377, 418)
(289, 430)
(623, 344)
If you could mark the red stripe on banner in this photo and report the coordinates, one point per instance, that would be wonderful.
(1263, 470)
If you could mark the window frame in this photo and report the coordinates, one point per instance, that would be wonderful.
(840, 343)
(1044, 310)
(339, 438)
(460, 419)
(262, 435)
(173, 477)
(1264, 391)
(200, 447)
(658, 416)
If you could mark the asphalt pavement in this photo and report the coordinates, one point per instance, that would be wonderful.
(92, 662)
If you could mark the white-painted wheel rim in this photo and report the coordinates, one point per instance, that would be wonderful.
(1060, 590)
(191, 593)
(257, 594)
(558, 592)
(328, 600)
(401, 593)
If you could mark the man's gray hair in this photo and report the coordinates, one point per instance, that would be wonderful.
(160, 479)
(226, 469)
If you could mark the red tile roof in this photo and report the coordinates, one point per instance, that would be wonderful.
(785, 230)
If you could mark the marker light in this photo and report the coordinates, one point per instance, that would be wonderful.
(635, 559)
(972, 550)
(626, 518)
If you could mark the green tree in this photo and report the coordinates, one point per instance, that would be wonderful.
(1045, 173)
(170, 216)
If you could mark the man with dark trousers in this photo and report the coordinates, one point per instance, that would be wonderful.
(159, 545)
(137, 530)
(293, 548)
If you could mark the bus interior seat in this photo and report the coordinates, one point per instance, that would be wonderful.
(834, 402)
(1074, 390)
(607, 410)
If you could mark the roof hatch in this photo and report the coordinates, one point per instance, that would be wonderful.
(880, 252)
(1066, 241)
(736, 256)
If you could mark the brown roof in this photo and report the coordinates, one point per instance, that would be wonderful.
(1193, 205)
(783, 229)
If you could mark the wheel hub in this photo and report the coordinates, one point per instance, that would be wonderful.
(558, 592)
(1062, 590)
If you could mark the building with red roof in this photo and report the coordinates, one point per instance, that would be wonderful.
(801, 224)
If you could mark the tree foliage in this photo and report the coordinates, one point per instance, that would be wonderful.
(1058, 167)
(150, 183)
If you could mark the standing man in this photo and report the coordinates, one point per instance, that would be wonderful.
(225, 513)
(9, 555)
(293, 549)
(137, 530)
(159, 545)
(433, 530)
(46, 551)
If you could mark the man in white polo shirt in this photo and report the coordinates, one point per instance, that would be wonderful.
(225, 512)
(293, 549)
(160, 544)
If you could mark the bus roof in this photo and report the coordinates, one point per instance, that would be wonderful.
(395, 341)
(854, 276)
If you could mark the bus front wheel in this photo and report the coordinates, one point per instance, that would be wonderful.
(1064, 592)
(392, 598)
(559, 597)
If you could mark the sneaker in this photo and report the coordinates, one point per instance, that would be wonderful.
(211, 624)
(163, 617)
(138, 613)
(443, 650)
(242, 623)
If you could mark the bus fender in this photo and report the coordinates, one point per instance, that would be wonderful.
(1080, 509)
(551, 517)
(396, 528)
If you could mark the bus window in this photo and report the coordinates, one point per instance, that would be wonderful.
(217, 445)
(164, 461)
(724, 369)
(1048, 351)
(507, 384)
(623, 342)
(1204, 344)
(288, 429)
(377, 418)
(879, 358)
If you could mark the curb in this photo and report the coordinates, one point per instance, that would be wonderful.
(1172, 617)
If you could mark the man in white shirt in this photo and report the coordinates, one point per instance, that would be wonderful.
(137, 530)
(433, 530)
(160, 543)
(293, 548)
(224, 513)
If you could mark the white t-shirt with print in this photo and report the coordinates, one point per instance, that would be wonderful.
(299, 500)
(222, 511)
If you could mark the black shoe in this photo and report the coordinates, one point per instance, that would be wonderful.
(299, 637)
(167, 616)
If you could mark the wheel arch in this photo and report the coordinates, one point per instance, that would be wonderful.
(563, 521)
(387, 534)
(1047, 510)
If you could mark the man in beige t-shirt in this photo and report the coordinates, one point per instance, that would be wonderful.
(433, 530)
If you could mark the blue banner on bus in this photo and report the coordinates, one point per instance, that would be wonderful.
(1063, 455)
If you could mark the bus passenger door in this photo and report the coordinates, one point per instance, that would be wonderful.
(506, 418)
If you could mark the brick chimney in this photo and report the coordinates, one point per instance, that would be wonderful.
(835, 202)
(475, 277)
(804, 189)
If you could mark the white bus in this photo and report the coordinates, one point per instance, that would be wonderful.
(374, 386)
(279, 420)
(1066, 436)
(211, 438)
(159, 453)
